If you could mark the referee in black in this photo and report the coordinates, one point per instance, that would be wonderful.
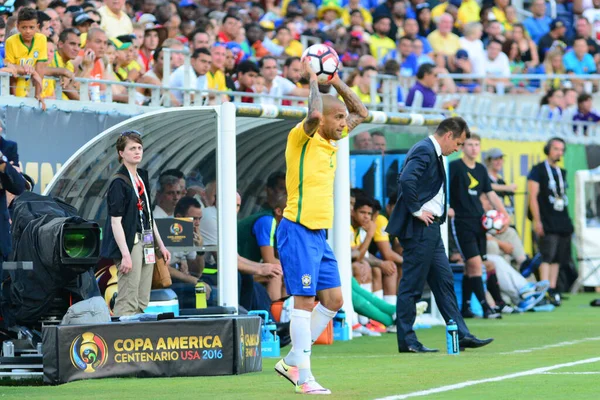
(468, 180)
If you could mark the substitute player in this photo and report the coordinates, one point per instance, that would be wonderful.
(468, 180)
(309, 265)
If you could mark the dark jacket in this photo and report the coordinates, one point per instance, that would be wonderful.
(122, 202)
(10, 181)
(9, 149)
(418, 182)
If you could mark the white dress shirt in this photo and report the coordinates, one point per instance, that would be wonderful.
(436, 205)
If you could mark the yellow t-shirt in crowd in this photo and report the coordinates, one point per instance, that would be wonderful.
(365, 14)
(216, 81)
(311, 162)
(294, 49)
(468, 12)
(365, 98)
(380, 46)
(381, 235)
(501, 17)
(18, 53)
(448, 45)
(58, 62)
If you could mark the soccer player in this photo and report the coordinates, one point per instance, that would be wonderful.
(309, 265)
(468, 180)
(28, 52)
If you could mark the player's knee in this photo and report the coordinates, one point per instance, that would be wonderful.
(377, 274)
(334, 303)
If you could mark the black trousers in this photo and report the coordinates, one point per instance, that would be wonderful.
(425, 259)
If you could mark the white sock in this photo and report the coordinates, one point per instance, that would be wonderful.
(299, 355)
(378, 294)
(363, 320)
(319, 319)
(367, 286)
(391, 299)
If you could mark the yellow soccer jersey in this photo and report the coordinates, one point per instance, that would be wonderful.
(19, 54)
(381, 235)
(58, 62)
(311, 164)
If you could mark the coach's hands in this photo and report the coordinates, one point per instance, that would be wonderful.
(126, 264)
(388, 268)
(426, 217)
(269, 270)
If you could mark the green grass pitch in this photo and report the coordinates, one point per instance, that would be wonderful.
(370, 368)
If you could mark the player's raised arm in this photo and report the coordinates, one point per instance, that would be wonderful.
(315, 102)
(358, 111)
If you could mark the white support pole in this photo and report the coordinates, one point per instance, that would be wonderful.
(226, 207)
(341, 227)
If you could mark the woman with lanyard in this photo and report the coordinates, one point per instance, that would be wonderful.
(547, 188)
(130, 234)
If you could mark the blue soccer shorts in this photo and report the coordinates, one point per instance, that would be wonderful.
(308, 262)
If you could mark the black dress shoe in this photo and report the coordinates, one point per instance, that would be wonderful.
(418, 349)
(473, 343)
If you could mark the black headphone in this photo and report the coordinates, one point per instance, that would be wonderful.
(549, 143)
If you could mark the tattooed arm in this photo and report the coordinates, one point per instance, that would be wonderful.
(315, 102)
(358, 111)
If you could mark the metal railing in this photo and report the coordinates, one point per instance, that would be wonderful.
(526, 122)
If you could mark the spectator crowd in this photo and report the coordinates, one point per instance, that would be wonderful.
(254, 47)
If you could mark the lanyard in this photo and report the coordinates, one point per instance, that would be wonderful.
(134, 181)
(552, 182)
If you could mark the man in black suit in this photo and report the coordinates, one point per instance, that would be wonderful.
(13, 182)
(415, 220)
(9, 149)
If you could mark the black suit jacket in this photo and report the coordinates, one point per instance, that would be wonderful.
(9, 149)
(419, 181)
(11, 181)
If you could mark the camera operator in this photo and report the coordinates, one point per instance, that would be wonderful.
(548, 201)
(11, 181)
(130, 229)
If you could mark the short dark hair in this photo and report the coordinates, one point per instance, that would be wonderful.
(495, 41)
(247, 66)
(124, 137)
(2, 23)
(363, 200)
(406, 38)
(183, 205)
(201, 50)
(425, 69)
(27, 14)
(173, 172)
(290, 60)
(231, 16)
(366, 69)
(194, 33)
(579, 38)
(391, 67)
(274, 178)
(377, 133)
(54, 4)
(356, 192)
(281, 28)
(456, 125)
(64, 35)
(43, 17)
(583, 97)
(261, 62)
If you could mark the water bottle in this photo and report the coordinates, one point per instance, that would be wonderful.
(200, 295)
(452, 338)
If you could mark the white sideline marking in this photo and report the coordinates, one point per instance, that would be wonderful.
(550, 346)
(461, 385)
(572, 373)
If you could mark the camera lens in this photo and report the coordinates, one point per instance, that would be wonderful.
(80, 243)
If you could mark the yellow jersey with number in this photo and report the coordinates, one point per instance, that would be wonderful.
(381, 235)
(311, 162)
(19, 54)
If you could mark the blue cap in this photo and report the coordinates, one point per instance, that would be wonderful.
(187, 3)
(462, 54)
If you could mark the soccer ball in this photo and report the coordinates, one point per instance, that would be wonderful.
(493, 221)
(323, 60)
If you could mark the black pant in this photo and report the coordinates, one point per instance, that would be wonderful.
(425, 259)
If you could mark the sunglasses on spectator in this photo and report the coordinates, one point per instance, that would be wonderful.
(131, 132)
